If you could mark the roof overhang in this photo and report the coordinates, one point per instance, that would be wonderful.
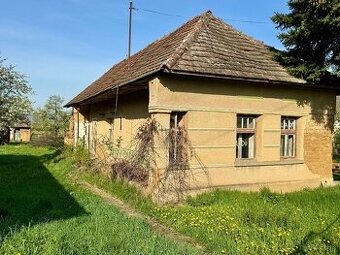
(302, 85)
(123, 89)
(142, 83)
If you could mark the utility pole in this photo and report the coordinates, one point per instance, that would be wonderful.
(130, 21)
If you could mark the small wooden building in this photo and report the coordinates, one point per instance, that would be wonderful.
(20, 133)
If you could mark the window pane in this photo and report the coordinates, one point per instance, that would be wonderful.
(285, 124)
(251, 122)
(291, 145)
(288, 123)
(287, 146)
(245, 122)
(251, 145)
(238, 145)
(245, 146)
(239, 122)
(282, 146)
(173, 123)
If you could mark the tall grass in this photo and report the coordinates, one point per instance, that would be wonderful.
(44, 212)
(233, 222)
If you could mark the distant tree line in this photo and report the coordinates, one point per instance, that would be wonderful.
(51, 121)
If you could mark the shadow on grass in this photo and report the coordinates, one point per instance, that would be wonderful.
(29, 194)
(302, 246)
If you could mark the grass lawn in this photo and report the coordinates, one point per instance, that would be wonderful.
(43, 212)
(232, 222)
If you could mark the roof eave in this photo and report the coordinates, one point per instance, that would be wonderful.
(77, 103)
(247, 79)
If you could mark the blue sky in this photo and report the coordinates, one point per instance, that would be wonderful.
(62, 46)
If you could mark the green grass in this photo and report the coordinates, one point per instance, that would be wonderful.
(43, 212)
(232, 222)
(306, 222)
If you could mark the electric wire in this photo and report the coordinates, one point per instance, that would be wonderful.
(181, 16)
(158, 12)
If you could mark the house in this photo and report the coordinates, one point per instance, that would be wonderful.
(250, 122)
(20, 133)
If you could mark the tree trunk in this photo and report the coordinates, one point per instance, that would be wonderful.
(4, 136)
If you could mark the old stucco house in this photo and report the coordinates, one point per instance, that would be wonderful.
(249, 121)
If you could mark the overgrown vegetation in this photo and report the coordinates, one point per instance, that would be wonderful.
(39, 204)
(135, 162)
(233, 222)
(138, 162)
(43, 212)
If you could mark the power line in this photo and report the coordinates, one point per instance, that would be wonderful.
(247, 21)
(180, 16)
(160, 13)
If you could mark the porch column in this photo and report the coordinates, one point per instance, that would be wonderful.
(161, 156)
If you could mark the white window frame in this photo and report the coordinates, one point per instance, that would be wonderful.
(247, 127)
(175, 119)
(288, 130)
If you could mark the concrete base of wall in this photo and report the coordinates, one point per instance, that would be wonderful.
(254, 176)
(280, 187)
(278, 178)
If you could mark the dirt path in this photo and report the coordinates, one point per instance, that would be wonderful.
(156, 226)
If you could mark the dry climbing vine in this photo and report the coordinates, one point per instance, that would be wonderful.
(152, 143)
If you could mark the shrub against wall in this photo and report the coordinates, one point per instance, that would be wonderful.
(138, 162)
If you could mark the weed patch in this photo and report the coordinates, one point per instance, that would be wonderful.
(234, 222)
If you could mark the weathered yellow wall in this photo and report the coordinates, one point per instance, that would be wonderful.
(212, 107)
(131, 112)
(171, 94)
(77, 120)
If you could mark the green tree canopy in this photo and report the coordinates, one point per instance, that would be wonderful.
(15, 106)
(52, 118)
(311, 36)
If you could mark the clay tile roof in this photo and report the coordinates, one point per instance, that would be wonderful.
(203, 45)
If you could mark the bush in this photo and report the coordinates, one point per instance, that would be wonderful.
(78, 156)
(46, 139)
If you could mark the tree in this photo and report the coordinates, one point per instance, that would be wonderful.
(52, 118)
(311, 36)
(15, 105)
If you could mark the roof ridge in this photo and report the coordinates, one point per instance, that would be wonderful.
(258, 43)
(240, 33)
(188, 41)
